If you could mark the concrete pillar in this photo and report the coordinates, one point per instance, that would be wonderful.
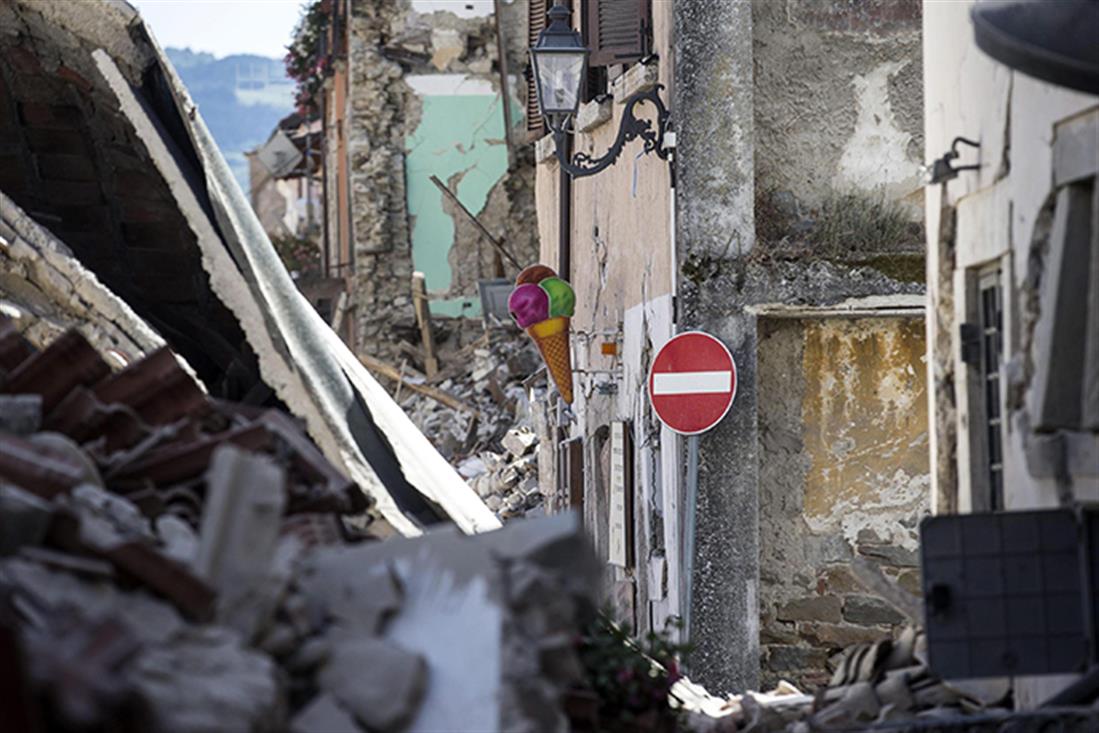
(715, 231)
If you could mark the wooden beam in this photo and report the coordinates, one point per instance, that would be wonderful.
(477, 223)
(423, 318)
(389, 371)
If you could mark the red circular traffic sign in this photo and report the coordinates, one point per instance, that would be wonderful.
(692, 382)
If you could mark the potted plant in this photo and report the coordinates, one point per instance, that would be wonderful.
(626, 680)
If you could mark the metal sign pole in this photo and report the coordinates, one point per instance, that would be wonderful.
(689, 530)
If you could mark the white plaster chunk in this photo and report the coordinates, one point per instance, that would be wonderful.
(544, 149)
(245, 497)
(639, 78)
(876, 154)
(379, 682)
(593, 114)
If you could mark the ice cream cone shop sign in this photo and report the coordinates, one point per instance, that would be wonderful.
(542, 304)
(692, 382)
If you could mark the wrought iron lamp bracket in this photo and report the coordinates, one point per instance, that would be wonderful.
(631, 128)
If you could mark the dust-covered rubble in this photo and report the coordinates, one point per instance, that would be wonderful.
(493, 445)
(171, 563)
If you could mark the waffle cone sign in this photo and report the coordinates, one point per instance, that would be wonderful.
(542, 304)
(552, 338)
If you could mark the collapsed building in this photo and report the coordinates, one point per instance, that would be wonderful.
(421, 97)
(104, 149)
(195, 471)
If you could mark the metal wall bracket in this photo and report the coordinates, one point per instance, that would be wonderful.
(631, 128)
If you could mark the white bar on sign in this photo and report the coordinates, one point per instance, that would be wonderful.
(692, 382)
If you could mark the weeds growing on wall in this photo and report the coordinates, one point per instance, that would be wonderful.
(857, 228)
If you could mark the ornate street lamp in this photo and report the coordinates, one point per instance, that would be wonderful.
(560, 61)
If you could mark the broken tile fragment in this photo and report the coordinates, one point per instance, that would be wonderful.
(24, 518)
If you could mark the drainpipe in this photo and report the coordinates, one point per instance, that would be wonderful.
(564, 224)
(564, 242)
(326, 249)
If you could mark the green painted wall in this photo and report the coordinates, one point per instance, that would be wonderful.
(457, 133)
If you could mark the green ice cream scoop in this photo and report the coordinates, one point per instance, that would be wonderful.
(561, 298)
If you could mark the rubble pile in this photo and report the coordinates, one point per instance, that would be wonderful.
(493, 443)
(885, 685)
(171, 563)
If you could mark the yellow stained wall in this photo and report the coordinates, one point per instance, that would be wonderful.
(865, 421)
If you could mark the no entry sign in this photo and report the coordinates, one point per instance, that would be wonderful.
(692, 382)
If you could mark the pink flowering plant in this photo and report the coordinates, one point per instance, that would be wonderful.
(305, 63)
(630, 677)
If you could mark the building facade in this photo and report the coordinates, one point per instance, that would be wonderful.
(788, 224)
(1013, 280)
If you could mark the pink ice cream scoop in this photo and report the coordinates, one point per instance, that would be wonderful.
(528, 304)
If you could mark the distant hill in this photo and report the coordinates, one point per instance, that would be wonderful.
(241, 98)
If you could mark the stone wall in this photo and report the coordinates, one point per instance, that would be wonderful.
(379, 111)
(844, 472)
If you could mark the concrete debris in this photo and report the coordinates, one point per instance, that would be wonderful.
(323, 715)
(380, 683)
(493, 450)
(20, 414)
(505, 599)
(206, 681)
(192, 567)
(24, 519)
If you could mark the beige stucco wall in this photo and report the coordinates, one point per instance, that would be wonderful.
(621, 246)
(622, 272)
(1014, 117)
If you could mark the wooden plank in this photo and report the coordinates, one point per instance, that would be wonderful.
(423, 318)
(389, 371)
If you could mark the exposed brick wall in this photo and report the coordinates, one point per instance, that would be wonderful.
(72, 161)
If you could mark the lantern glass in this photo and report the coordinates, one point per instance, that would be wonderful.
(560, 74)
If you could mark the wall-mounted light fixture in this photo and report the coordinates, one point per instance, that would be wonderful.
(942, 169)
(560, 61)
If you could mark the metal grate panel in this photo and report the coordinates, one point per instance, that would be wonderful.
(1004, 594)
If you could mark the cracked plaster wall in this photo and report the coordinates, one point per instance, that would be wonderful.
(399, 220)
(770, 103)
(838, 104)
(843, 472)
(622, 270)
(997, 214)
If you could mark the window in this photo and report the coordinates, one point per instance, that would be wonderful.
(1066, 337)
(982, 344)
(991, 306)
(617, 31)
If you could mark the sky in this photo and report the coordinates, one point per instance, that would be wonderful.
(223, 27)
